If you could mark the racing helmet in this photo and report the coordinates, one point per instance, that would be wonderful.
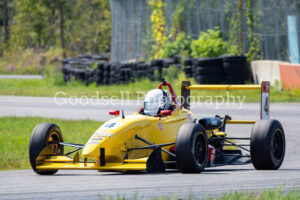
(155, 101)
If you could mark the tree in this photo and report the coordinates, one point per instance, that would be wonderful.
(158, 27)
(81, 26)
(240, 24)
(254, 49)
(61, 16)
(5, 20)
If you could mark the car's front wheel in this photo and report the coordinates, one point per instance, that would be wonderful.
(45, 135)
(191, 148)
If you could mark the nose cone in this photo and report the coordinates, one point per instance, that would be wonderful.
(91, 150)
(113, 134)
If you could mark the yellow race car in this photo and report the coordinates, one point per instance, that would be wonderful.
(173, 138)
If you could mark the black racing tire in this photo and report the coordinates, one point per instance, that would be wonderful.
(187, 69)
(191, 148)
(177, 59)
(167, 62)
(234, 59)
(106, 67)
(40, 138)
(208, 70)
(157, 62)
(209, 79)
(235, 78)
(267, 145)
(188, 62)
(209, 62)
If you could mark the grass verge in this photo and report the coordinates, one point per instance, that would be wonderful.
(50, 86)
(267, 194)
(15, 134)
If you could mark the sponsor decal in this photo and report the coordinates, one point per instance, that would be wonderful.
(102, 134)
(95, 140)
(113, 125)
(160, 126)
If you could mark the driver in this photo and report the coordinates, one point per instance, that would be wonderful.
(155, 101)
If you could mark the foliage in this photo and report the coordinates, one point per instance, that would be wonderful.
(209, 44)
(254, 49)
(36, 24)
(171, 73)
(181, 46)
(88, 26)
(178, 18)
(158, 27)
(240, 25)
(30, 61)
(233, 41)
(157, 75)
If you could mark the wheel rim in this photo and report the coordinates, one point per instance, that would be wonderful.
(200, 149)
(53, 140)
(277, 146)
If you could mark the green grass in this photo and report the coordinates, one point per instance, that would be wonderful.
(15, 135)
(267, 194)
(50, 86)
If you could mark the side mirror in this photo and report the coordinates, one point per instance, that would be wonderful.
(165, 112)
(114, 112)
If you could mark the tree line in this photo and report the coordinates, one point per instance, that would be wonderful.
(79, 26)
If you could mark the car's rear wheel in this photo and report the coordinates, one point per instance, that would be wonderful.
(45, 135)
(267, 145)
(191, 148)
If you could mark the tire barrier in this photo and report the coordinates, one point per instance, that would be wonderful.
(235, 69)
(225, 69)
(92, 68)
(82, 67)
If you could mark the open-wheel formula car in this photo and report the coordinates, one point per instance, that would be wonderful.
(173, 138)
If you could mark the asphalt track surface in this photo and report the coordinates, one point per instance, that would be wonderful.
(24, 184)
(13, 76)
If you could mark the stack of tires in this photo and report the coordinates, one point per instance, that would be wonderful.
(177, 61)
(208, 70)
(126, 75)
(66, 70)
(225, 69)
(115, 73)
(235, 69)
(90, 75)
(141, 70)
(156, 67)
(106, 73)
(81, 67)
(99, 73)
(78, 73)
(188, 65)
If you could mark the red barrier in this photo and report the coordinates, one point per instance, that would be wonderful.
(290, 76)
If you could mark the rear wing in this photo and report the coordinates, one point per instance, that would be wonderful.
(264, 88)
